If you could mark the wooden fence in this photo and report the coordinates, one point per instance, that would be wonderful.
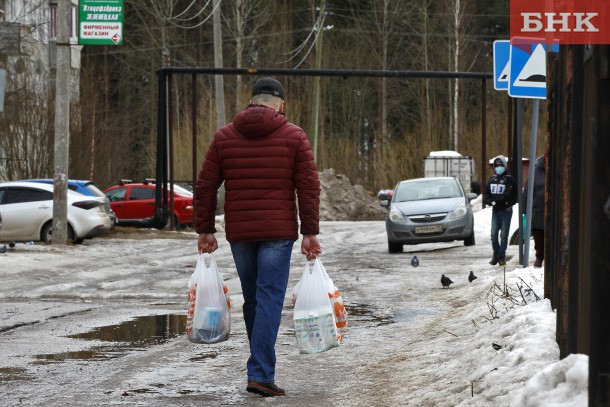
(577, 246)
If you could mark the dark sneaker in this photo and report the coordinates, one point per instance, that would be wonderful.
(538, 263)
(493, 261)
(264, 389)
(502, 261)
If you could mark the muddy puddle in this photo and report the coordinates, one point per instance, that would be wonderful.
(9, 374)
(146, 331)
(131, 335)
(363, 315)
(367, 315)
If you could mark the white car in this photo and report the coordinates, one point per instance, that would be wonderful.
(27, 213)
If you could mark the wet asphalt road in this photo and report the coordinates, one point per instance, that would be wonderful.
(102, 324)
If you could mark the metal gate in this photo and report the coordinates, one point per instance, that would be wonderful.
(165, 174)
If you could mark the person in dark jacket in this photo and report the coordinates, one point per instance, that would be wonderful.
(501, 194)
(538, 204)
(268, 167)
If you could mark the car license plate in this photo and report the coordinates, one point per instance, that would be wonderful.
(428, 229)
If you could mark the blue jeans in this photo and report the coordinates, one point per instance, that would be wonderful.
(263, 269)
(500, 223)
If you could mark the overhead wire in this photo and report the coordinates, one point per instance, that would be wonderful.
(187, 9)
(313, 44)
(317, 28)
(170, 20)
(192, 17)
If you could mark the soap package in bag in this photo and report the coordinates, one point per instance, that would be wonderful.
(209, 313)
(314, 319)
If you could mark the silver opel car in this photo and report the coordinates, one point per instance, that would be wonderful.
(425, 210)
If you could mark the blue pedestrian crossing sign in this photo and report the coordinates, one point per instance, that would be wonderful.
(501, 64)
(527, 77)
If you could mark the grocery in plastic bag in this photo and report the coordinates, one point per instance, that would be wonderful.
(209, 306)
(335, 299)
(314, 318)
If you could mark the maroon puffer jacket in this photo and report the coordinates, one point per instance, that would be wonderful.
(263, 160)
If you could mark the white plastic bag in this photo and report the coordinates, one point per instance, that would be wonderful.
(336, 301)
(209, 313)
(314, 319)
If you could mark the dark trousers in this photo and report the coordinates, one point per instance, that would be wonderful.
(538, 235)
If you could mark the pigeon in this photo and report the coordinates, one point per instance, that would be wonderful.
(414, 261)
(471, 277)
(3, 249)
(446, 281)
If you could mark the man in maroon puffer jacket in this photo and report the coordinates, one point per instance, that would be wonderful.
(262, 159)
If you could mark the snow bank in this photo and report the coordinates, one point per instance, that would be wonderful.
(563, 383)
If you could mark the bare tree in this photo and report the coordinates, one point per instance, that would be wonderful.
(373, 129)
(458, 40)
(382, 28)
(244, 20)
(26, 145)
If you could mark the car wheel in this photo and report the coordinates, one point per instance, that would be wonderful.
(177, 225)
(394, 247)
(469, 241)
(46, 235)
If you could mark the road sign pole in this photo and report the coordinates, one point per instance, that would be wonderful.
(514, 149)
(519, 166)
(530, 183)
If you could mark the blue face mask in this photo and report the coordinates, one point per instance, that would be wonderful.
(500, 170)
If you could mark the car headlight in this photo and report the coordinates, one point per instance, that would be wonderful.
(396, 216)
(459, 212)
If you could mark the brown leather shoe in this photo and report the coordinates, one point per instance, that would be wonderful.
(264, 389)
(538, 263)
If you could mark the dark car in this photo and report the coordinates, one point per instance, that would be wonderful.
(425, 210)
(134, 204)
(84, 187)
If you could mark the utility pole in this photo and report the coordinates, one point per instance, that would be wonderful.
(62, 124)
(456, 56)
(220, 95)
(316, 82)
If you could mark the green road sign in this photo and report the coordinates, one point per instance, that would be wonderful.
(100, 22)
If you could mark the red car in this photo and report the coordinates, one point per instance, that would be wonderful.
(134, 203)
